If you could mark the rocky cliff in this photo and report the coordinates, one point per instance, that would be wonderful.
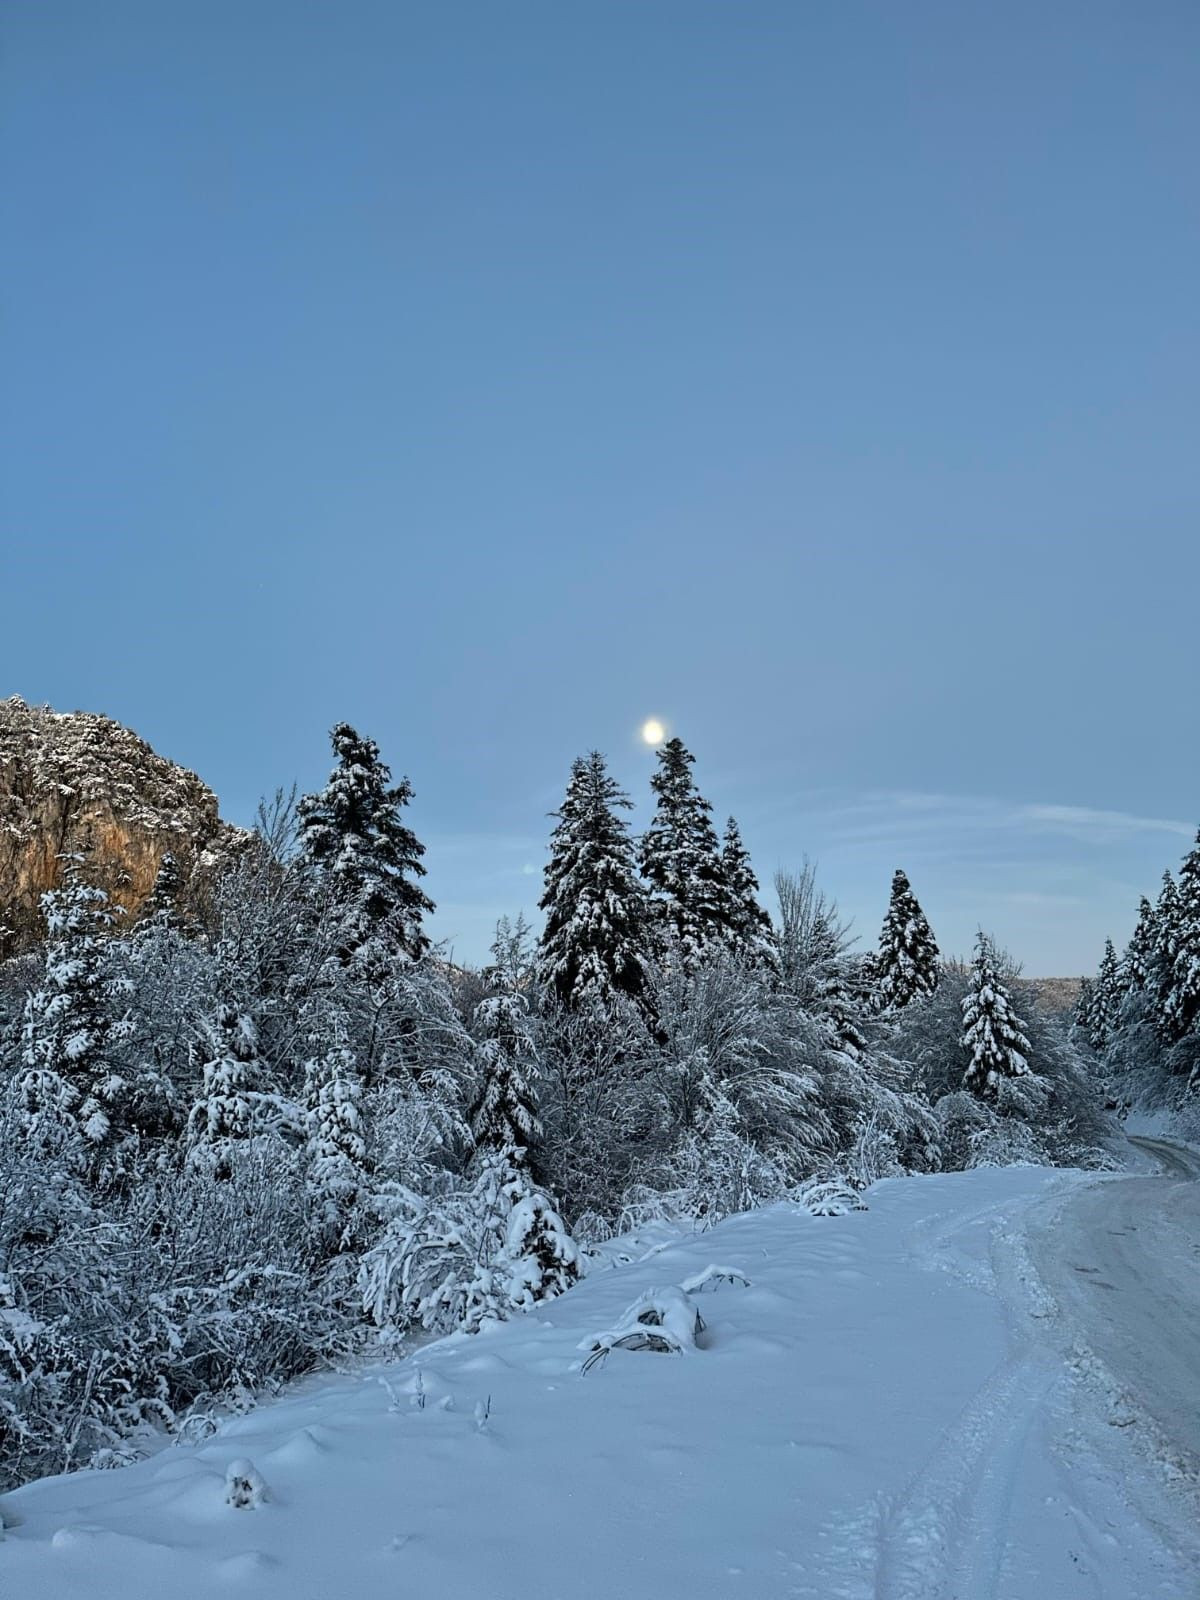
(80, 784)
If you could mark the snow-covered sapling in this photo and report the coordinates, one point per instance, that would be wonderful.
(711, 1276)
(664, 1321)
(829, 1197)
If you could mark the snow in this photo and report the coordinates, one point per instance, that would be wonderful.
(895, 1407)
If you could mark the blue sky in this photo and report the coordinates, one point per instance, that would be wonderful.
(820, 378)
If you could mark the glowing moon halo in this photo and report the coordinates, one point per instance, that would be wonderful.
(653, 731)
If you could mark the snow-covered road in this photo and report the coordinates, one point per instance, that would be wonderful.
(1122, 1259)
(897, 1407)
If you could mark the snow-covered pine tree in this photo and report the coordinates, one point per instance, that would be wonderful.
(1108, 993)
(595, 938)
(162, 905)
(504, 1116)
(69, 1085)
(837, 996)
(540, 1255)
(906, 967)
(353, 835)
(222, 1117)
(1181, 1003)
(993, 1035)
(1138, 960)
(1167, 916)
(691, 902)
(1084, 1005)
(750, 931)
(336, 1147)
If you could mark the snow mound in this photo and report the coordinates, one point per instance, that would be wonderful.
(666, 1321)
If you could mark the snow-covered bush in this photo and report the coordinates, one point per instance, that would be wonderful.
(828, 1197)
(468, 1253)
(540, 1256)
(664, 1321)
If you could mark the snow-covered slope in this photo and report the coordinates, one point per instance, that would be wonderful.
(892, 1408)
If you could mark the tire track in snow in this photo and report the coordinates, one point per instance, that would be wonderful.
(948, 1533)
(946, 1536)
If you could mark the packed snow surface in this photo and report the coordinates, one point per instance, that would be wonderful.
(902, 1403)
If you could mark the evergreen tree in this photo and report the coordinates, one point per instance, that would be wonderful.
(1138, 961)
(1107, 995)
(222, 1118)
(835, 994)
(1167, 928)
(594, 941)
(337, 1149)
(69, 1085)
(907, 964)
(1181, 1009)
(1084, 1006)
(162, 905)
(352, 834)
(541, 1257)
(691, 901)
(504, 1116)
(993, 1035)
(750, 929)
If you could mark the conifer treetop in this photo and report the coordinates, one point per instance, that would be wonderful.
(750, 928)
(691, 898)
(993, 1035)
(353, 832)
(594, 942)
(906, 966)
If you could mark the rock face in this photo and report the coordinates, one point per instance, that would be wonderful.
(79, 784)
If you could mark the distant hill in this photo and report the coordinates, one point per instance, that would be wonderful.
(1052, 994)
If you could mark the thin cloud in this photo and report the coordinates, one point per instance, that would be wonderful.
(943, 824)
(1086, 823)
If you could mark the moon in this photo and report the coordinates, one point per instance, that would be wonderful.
(653, 731)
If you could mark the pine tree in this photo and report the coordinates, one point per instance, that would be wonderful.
(691, 902)
(69, 1085)
(504, 1116)
(1084, 1006)
(222, 1118)
(1138, 961)
(907, 964)
(993, 1035)
(1168, 916)
(541, 1257)
(353, 835)
(1108, 992)
(835, 997)
(594, 941)
(162, 904)
(1181, 1008)
(750, 931)
(337, 1149)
